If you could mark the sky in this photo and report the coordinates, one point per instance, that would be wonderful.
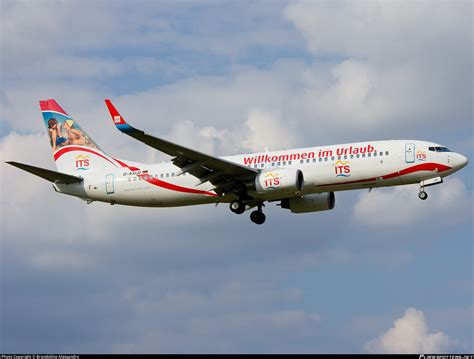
(383, 272)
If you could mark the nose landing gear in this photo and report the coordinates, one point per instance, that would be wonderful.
(422, 195)
(426, 183)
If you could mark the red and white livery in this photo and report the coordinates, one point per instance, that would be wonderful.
(301, 180)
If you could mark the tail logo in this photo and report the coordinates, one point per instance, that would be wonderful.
(82, 162)
(117, 119)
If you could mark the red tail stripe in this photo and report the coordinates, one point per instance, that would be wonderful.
(83, 149)
(51, 105)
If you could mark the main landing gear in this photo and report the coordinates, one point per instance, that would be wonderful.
(237, 207)
(257, 217)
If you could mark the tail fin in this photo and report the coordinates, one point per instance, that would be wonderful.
(73, 149)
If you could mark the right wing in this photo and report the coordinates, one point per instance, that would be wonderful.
(226, 176)
(51, 176)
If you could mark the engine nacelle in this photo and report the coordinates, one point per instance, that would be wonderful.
(280, 180)
(310, 203)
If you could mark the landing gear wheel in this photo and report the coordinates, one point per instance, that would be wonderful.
(257, 217)
(423, 195)
(237, 207)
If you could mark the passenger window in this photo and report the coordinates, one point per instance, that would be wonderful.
(314, 159)
(380, 153)
(262, 165)
(345, 157)
(167, 175)
(369, 155)
(278, 164)
(320, 159)
(273, 164)
(284, 163)
(289, 162)
(161, 175)
(325, 159)
(333, 158)
(307, 161)
(301, 161)
(357, 155)
(363, 155)
(375, 154)
(352, 157)
(338, 157)
(386, 153)
(255, 166)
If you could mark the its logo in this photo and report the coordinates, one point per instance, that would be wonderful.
(342, 169)
(117, 119)
(82, 162)
(420, 156)
(272, 180)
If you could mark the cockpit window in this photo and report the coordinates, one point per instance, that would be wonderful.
(439, 149)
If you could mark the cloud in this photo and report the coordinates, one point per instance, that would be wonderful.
(382, 31)
(409, 334)
(400, 67)
(266, 129)
(448, 202)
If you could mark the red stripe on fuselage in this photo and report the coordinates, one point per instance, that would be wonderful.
(173, 187)
(163, 184)
(418, 168)
(64, 150)
(131, 168)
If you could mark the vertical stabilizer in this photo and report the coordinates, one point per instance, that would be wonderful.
(73, 149)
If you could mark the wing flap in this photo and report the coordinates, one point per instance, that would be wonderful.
(49, 175)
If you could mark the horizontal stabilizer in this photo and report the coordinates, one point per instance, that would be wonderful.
(52, 176)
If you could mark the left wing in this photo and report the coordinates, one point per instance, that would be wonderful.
(226, 176)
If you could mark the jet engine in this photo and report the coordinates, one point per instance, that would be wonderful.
(281, 180)
(310, 203)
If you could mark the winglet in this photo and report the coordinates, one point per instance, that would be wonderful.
(118, 120)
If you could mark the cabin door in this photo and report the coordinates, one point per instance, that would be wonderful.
(109, 184)
(409, 152)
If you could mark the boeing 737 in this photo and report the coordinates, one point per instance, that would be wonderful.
(301, 180)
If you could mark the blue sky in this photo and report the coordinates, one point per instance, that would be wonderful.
(382, 272)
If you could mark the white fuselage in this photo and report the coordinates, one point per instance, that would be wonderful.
(325, 169)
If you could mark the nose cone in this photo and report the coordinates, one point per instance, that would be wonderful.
(461, 161)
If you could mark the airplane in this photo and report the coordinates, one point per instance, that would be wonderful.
(301, 180)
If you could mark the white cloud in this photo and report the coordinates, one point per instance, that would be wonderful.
(410, 334)
(266, 129)
(448, 202)
(383, 31)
